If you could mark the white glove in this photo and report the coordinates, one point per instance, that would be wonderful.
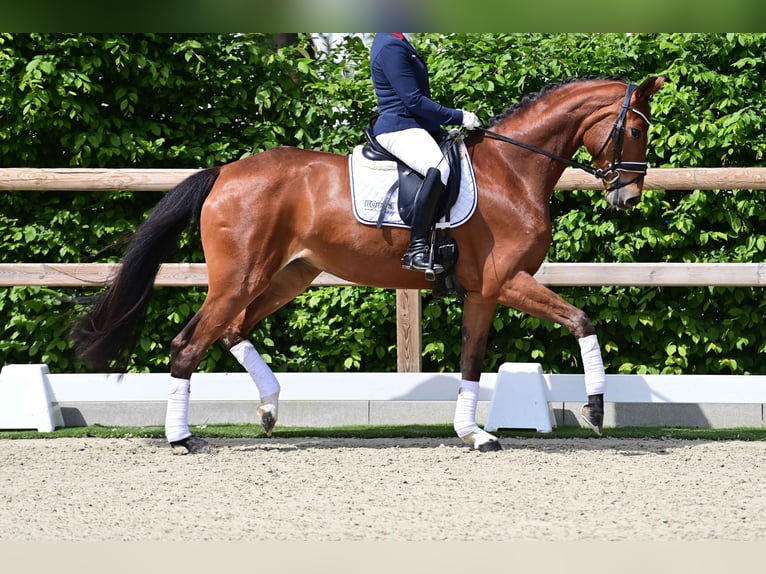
(470, 120)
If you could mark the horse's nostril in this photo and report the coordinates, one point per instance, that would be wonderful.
(632, 201)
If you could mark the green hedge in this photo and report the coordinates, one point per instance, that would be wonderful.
(188, 101)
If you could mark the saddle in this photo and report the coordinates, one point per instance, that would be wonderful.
(443, 245)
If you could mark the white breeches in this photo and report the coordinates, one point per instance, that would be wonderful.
(418, 149)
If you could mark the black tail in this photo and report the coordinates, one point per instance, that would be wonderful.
(106, 335)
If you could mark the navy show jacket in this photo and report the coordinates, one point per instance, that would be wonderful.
(400, 77)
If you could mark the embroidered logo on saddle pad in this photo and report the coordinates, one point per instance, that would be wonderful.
(371, 180)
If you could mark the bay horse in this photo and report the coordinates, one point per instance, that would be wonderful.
(271, 222)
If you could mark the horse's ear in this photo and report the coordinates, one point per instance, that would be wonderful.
(649, 87)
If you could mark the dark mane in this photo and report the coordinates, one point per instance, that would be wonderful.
(527, 100)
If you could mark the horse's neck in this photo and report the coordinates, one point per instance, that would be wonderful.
(556, 125)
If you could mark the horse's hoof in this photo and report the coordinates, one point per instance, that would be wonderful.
(267, 413)
(192, 444)
(268, 421)
(593, 418)
(482, 441)
(491, 446)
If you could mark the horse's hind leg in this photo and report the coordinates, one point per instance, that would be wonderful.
(187, 349)
(267, 384)
(284, 287)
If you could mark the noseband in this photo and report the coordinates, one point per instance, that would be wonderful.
(609, 174)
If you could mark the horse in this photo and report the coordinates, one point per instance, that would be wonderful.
(272, 222)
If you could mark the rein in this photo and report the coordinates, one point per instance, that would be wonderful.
(609, 174)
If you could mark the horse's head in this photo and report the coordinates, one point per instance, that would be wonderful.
(618, 144)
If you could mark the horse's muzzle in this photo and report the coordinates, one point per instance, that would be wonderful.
(624, 198)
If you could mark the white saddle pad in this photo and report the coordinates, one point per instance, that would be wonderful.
(371, 180)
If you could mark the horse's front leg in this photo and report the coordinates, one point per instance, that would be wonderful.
(524, 293)
(477, 317)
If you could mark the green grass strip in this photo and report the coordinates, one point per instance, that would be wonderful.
(397, 431)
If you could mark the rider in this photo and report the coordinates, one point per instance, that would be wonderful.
(407, 124)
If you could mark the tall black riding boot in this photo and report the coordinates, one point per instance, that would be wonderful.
(427, 199)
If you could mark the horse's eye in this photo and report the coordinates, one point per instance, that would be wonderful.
(635, 132)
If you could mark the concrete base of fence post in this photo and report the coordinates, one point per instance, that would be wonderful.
(520, 399)
(26, 399)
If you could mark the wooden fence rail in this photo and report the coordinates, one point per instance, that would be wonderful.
(551, 274)
(408, 301)
(75, 179)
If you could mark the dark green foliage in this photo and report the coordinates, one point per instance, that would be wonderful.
(189, 101)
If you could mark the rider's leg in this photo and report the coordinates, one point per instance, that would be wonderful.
(424, 210)
(418, 149)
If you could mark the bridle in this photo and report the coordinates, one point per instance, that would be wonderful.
(610, 174)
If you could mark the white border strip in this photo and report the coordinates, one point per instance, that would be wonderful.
(406, 387)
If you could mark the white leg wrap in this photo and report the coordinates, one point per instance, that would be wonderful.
(259, 371)
(465, 409)
(177, 414)
(593, 364)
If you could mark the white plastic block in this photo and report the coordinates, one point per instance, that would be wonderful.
(520, 399)
(26, 399)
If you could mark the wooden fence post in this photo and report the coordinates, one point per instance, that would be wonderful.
(408, 331)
